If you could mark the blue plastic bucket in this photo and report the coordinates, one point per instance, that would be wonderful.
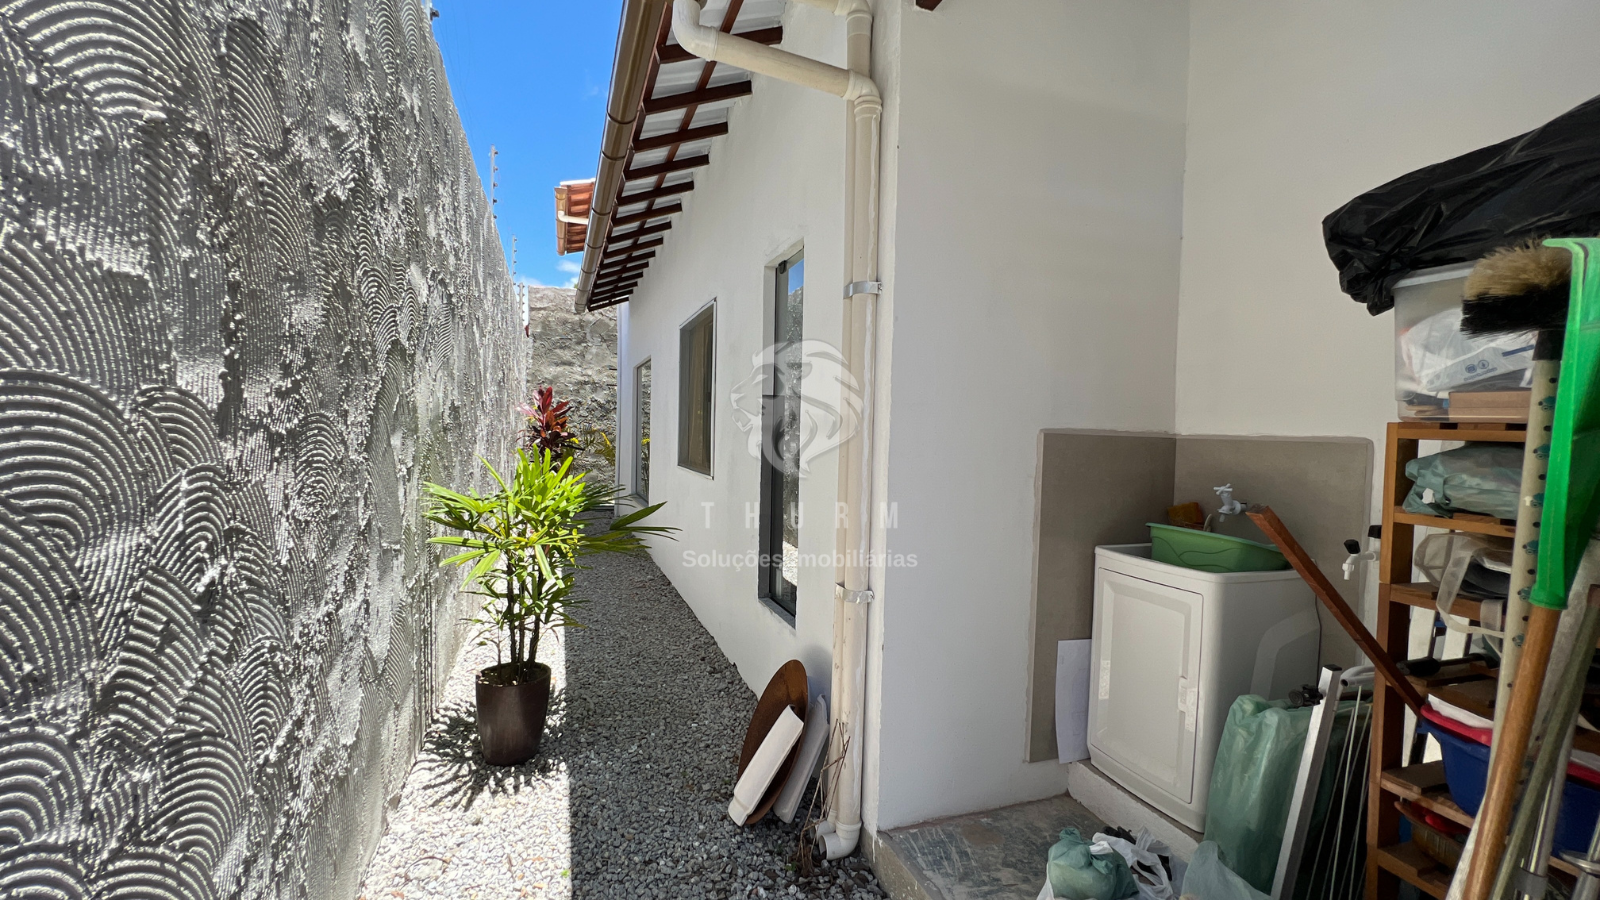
(1466, 769)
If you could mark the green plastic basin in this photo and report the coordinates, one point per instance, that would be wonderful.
(1211, 552)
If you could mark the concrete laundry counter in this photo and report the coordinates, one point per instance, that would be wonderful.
(1173, 648)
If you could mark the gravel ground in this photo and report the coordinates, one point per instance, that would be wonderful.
(628, 797)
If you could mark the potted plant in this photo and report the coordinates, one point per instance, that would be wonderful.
(525, 544)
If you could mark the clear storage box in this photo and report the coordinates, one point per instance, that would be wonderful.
(1442, 374)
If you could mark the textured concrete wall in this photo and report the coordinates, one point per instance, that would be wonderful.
(250, 300)
(576, 353)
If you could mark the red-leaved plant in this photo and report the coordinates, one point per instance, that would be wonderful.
(547, 426)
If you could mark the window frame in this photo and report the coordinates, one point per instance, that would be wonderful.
(641, 429)
(774, 408)
(706, 315)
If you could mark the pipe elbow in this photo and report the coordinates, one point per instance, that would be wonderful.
(699, 40)
(841, 841)
(862, 90)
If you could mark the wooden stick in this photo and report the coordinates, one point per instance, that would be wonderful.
(1524, 553)
(1505, 772)
(1273, 527)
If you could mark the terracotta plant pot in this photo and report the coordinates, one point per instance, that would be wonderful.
(511, 712)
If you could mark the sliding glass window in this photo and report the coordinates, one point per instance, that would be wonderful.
(780, 459)
(641, 418)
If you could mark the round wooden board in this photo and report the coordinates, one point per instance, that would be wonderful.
(788, 688)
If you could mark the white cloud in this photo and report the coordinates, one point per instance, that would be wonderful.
(568, 266)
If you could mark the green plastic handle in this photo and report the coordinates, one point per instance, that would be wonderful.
(1572, 489)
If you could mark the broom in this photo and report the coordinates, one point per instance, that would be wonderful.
(1520, 288)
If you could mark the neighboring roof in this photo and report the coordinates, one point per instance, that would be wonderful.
(684, 106)
(572, 214)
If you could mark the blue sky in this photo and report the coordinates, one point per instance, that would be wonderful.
(530, 77)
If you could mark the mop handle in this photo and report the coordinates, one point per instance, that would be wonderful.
(1273, 527)
(1533, 829)
(1525, 549)
(1526, 627)
(1506, 767)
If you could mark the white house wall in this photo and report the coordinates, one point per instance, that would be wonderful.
(775, 183)
(1096, 215)
(1295, 108)
(1034, 285)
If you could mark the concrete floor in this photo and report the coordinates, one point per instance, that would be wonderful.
(998, 854)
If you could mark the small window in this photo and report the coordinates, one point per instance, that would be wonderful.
(696, 359)
(641, 418)
(780, 458)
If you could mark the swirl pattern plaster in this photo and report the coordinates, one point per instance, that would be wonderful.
(250, 300)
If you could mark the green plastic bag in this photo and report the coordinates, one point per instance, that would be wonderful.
(1077, 874)
(1252, 783)
(1477, 478)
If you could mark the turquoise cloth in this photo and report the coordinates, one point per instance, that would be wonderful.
(1478, 478)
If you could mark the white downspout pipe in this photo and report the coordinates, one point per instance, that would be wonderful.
(842, 831)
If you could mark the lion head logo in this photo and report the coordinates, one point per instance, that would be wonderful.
(828, 412)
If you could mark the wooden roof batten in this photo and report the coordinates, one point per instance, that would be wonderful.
(622, 273)
(642, 232)
(622, 261)
(666, 209)
(608, 302)
(620, 252)
(671, 190)
(667, 168)
(617, 271)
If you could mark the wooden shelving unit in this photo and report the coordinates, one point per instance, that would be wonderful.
(1389, 862)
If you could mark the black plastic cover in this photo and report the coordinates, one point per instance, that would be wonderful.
(1545, 183)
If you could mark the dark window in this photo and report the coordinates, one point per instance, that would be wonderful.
(780, 457)
(696, 358)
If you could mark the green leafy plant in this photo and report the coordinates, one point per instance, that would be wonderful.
(596, 441)
(525, 544)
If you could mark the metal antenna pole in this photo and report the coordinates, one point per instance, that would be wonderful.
(520, 290)
(494, 181)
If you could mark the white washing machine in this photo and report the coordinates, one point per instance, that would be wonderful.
(1173, 648)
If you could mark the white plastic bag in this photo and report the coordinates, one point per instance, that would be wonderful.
(1144, 860)
(1444, 558)
(1441, 359)
(1208, 879)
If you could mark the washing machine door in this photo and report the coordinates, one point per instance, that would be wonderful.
(1147, 666)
